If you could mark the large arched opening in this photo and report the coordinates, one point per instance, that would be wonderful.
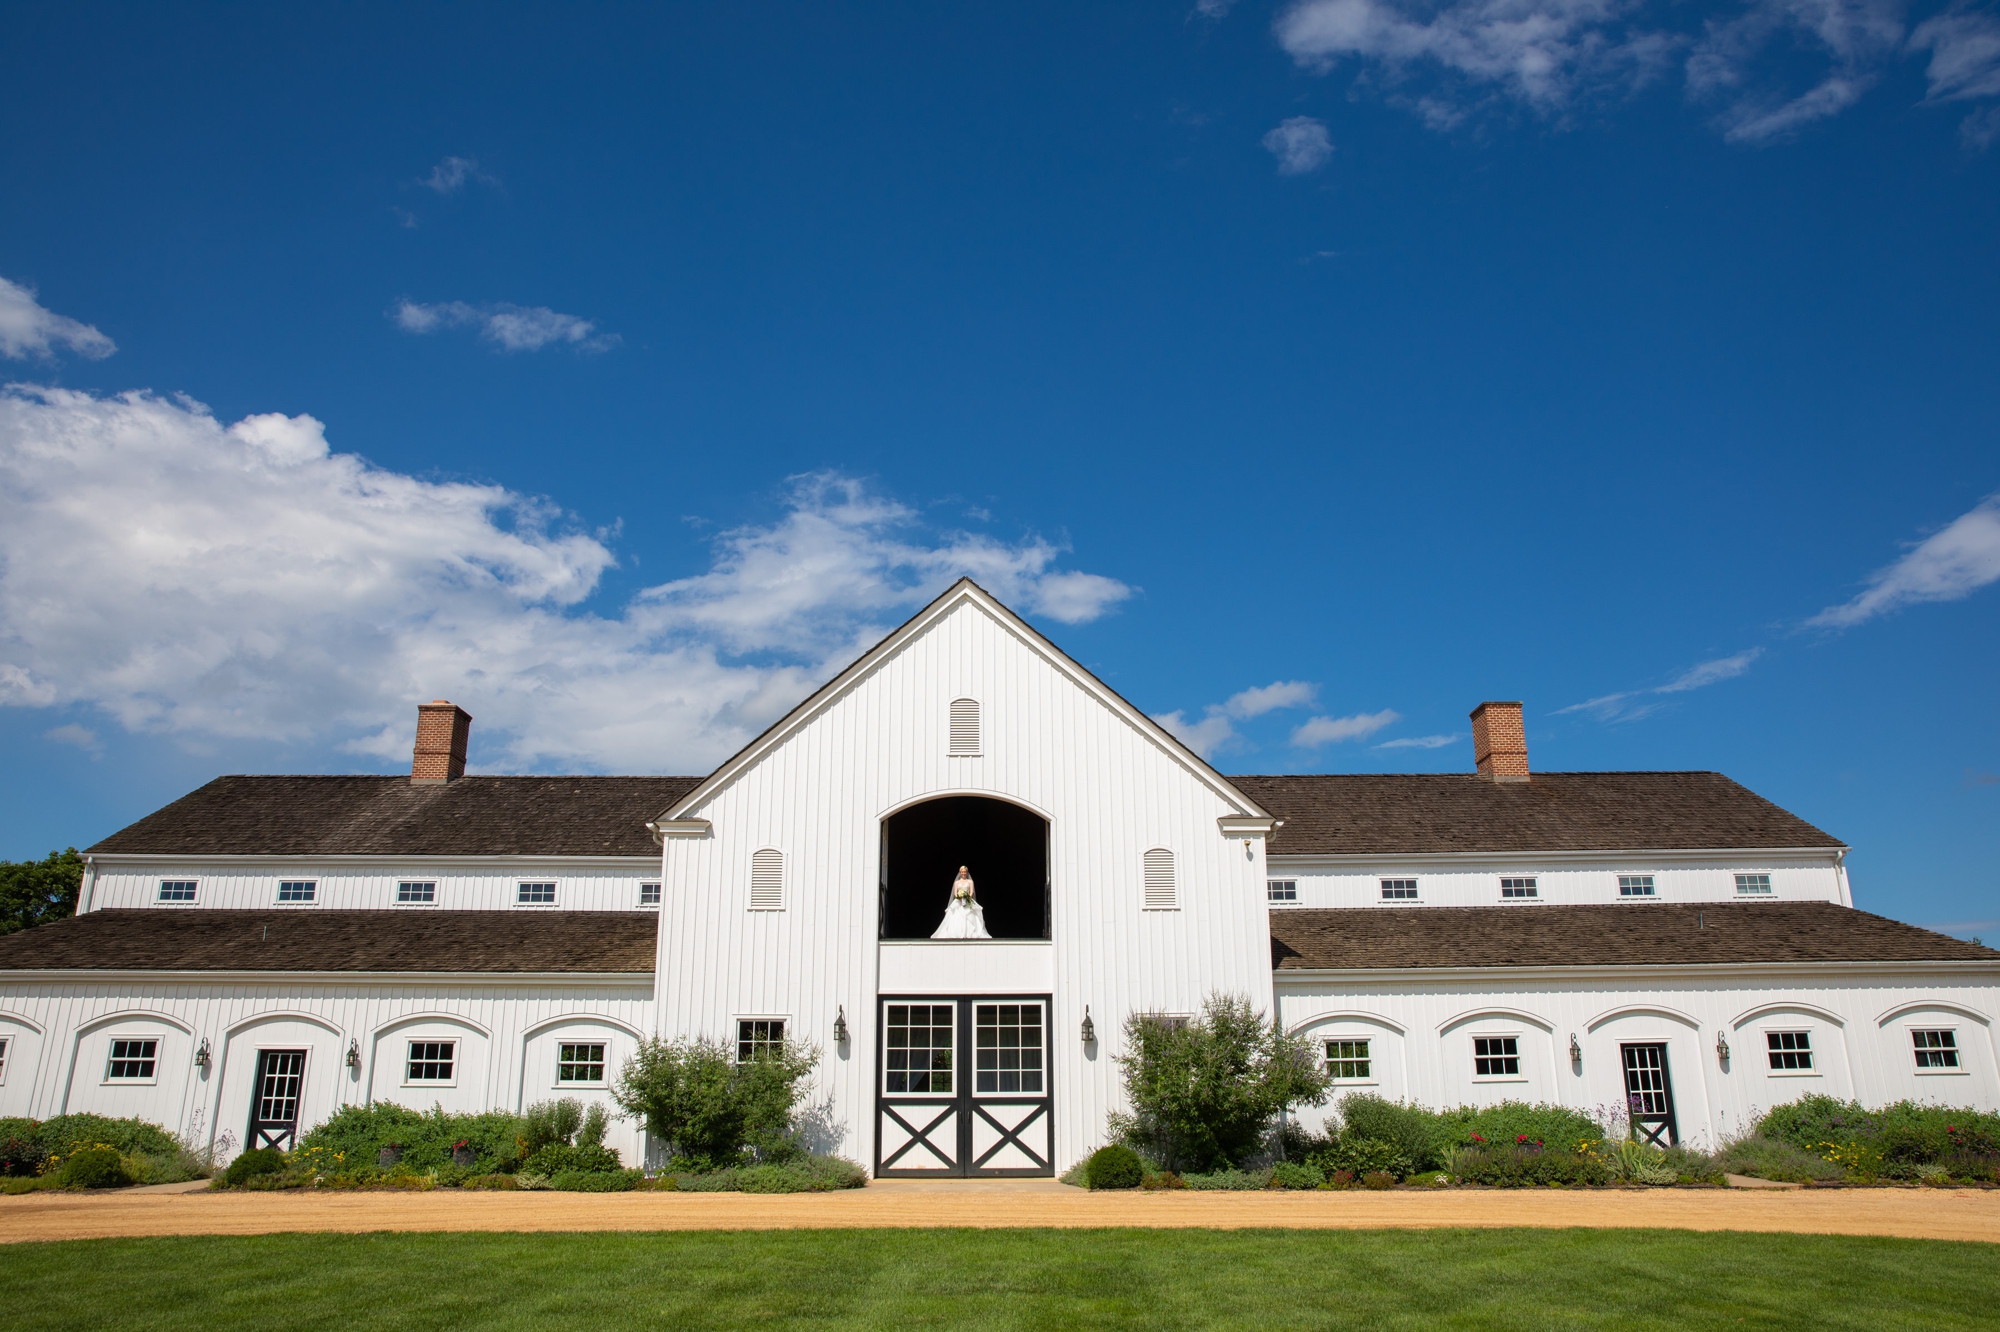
(1005, 846)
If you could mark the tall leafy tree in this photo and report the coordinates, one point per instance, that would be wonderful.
(35, 892)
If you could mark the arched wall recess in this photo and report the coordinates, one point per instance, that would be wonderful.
(1643, 1010)
(1941, 1005)
(595, 1019)
(281, 1016)
(1305, 1025)
(981, 792)
(24, 1021)
(1761, 1009)
(1519, 1015)
(134, 1015)
(409, 1020)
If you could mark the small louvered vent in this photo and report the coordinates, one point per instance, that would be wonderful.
(965, 728)
(767, 880)
(1160, 881)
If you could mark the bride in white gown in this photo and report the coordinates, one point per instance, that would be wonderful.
(963, 919)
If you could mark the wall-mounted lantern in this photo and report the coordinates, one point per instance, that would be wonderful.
(354, 1054)
(1721, 1048)
(840, 1025)
(201, 1054)
(1575, 1050)
(1089, 1027)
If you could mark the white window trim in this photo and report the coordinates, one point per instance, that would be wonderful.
(7, 1050)
(457, 1061)
(736, 1029)
(176, 901)
(1911, 1046)
(290, 903)
(1270, 883)
(600, 1083)
(1382, 900)
(1766, 1052)
(1520, 1054)
(159, 1052)
(1371, 1038)
(396, 897)
(553, 902)
(654, 905)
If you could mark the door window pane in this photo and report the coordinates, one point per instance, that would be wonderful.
(917, 1060)
(278, 1093)
(1646, 1079)
(1007, 1041)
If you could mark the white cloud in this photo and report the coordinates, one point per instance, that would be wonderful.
(1978, 130)
(450, 175)
(1630, 705)
(1422, 742)
(81, 736)
(26, 329)
(1300, 144)
(1951, 564)
(1214, 8)
(1965, 54)
(1269, 698)
(1216, 730)
(202, 580)
(1333, 730)
(511, 327)
(1204, 737)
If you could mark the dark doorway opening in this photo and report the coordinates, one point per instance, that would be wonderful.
(1006, 848)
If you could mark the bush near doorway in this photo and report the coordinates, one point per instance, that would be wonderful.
(1114, 1167)
(712, 1111)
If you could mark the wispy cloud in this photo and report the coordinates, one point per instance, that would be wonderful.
(1965, 54)
(1319, 731)
(1947, 566)
(1216, 728)
(1632, 704)
(1966, 927)
(450, 175)
(511, 328)
(1205, 736)
(82, 737)
(1974, 777)
(1301, 145)
(1422, 742)
(27, 329)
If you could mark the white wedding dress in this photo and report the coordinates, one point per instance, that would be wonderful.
(963, 919)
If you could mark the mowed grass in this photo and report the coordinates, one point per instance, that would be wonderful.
(837, 1279)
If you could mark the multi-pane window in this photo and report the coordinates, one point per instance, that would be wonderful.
(1282, 890)
(1635, 885)
(132, 1059)
(1399, 890)
(535, 894)
(1936, 1049)
(177, 890)
(1496, 1056)
(297, 890)
(580, 1062)
(1518, 888)
(416, 892)
(431, 1061)
(1789, 1050)
(4, 1043)
(649, 894)
(919, 1038)
(759, 1036)
(1347, 1059)
(1007, 1048)
(1753, 885)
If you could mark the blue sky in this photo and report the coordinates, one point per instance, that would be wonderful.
(1310, 371)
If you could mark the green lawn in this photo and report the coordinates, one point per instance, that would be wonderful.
(1262, 1279)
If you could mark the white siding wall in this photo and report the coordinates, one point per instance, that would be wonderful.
(602, 884)
(1859, 1019)
(506, 1037)
(1475, 880)
(1110, 791)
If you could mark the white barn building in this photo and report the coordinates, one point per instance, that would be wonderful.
(266, 949)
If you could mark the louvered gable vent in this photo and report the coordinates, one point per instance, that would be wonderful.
(965, 728)
(767, 880)
(1160, 895)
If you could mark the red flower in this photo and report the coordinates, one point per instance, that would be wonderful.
(1477, 1138)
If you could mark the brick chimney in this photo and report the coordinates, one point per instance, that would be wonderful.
(442, 730)
(1499, 745)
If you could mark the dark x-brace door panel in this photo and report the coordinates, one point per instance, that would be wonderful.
(1005, 1132)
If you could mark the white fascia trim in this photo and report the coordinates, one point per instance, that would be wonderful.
(1461, 860)
(1244, 826)
(1787, 971)
(135, 860)
(80, 975)
(964, 590)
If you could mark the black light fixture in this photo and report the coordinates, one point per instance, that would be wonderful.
(354, 1054)
(1575, 1050)
(201, 1054)
(840, 1025)
(1721, 1047)
(1089, 1027)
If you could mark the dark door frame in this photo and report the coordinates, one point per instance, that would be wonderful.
(280, 1133)
(1649, 1126)
(919, 1114)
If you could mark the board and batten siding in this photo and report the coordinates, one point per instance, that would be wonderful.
(1110, 791)
(1474, 880)
(1860, 1017)
(507, 1033)
(603, 883)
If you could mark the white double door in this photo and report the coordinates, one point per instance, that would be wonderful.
(964, 1087)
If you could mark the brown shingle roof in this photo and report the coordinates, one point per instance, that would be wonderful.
(387, 816)
(166, 939)
(1413, 814)
(1608, 935)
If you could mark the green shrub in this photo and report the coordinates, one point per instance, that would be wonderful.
(694, 1096)
(94, 1168)
(555, 1160)
(1206, 1093)
(1360, 1156)
(353, 1138)
(1520, 1122)
(596, 1181)
(1976, 1167)
(550, 1124)
(1296, 1175)
(256, 1161)
(1424, 1139)
(1514, 1167)
(803, 1173)
(1773, 1158)
(133, 1137)
(1231, 1180)
(21, 1151)
(1114, 1167)
(1378, 1179)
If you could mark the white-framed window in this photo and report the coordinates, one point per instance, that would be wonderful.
(921, 1039)
(534, 894)
(755, 1036)
(133, 1059)
(1399, 890)
(1753, 885)
(433, 1063)
(416, 894)
(1635, 885)
(579, 1062)
(1008, 1049)
(1790, 1051)
(6, 1044)
(964, 728)
(1519, 888)
(1347, 1060)
(1496, 1056)
(177, 890)
(1936, 1050)
(1281, 890)
(649, 894)
(1161, 894)
(767, 880)
(298, 890)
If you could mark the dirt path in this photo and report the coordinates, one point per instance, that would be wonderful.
(1912, 1213)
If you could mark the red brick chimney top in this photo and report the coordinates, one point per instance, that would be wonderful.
(442, 730)
(1499, 744)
